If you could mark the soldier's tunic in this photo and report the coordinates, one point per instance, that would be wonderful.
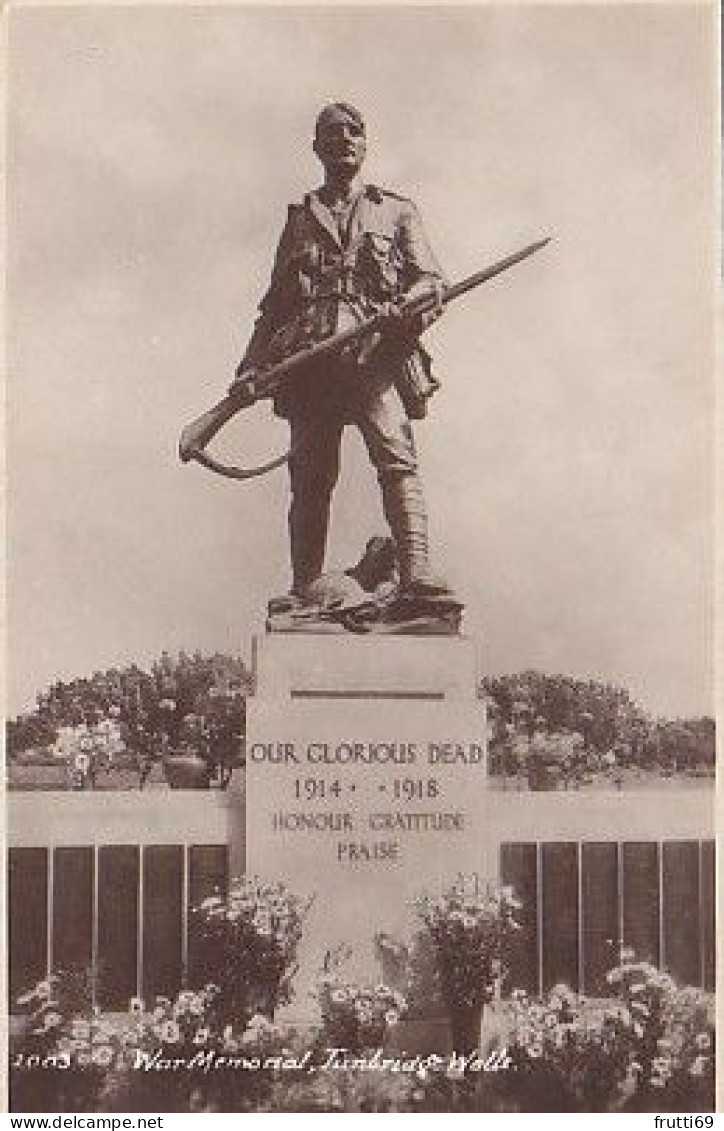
(330, 272)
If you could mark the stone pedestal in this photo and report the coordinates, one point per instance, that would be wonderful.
(366, 780)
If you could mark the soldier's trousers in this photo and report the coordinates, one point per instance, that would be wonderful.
(316, 435)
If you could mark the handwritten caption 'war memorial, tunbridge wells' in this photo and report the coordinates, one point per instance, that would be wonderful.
(366, 817)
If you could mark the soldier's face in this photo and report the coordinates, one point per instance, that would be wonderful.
(341, 145)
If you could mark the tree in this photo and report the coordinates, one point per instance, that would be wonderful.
(29, 732)
(190, 701)
(611, 724)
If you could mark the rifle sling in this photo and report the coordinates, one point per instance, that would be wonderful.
(230, 472)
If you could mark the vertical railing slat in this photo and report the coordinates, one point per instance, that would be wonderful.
(27, 927)
(681, 919)
(162, 920)
(518, 868)
(599, 913)
(560, 914)
(641, 907)
(118, 909)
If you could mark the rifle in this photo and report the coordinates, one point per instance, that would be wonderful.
(266, 381)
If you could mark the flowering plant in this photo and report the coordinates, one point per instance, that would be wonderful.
(61, 1047)
(650, 1048)
(568, 1053)
(187, 1022)
(43, 1010)
(356, 1017)
(471, 927)
(249, 941)
(674, 1027)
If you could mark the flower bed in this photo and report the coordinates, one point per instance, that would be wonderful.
(649, 1047)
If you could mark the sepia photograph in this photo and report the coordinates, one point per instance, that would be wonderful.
(360, 562)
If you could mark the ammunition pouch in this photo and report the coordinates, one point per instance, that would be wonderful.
(415, 383)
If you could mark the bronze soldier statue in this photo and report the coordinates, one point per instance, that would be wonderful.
(347, 251)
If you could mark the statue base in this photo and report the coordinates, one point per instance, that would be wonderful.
(366, 782)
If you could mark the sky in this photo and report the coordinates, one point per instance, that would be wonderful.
(568, 459)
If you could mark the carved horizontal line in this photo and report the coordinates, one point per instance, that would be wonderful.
(313, 693)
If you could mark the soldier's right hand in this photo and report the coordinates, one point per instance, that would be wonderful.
(399, 324)
(391, 310)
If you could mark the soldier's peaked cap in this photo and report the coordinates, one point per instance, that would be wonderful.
(334, 111)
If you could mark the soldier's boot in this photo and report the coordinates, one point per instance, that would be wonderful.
(308, 526)
(406, 514)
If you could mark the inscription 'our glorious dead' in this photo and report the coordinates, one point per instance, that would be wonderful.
(367, 753)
